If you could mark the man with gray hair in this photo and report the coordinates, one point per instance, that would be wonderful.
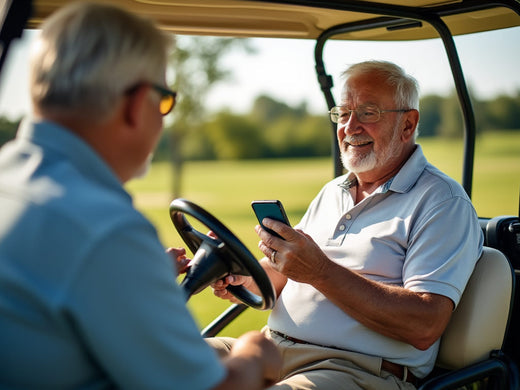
(88, 297)
(368, 279)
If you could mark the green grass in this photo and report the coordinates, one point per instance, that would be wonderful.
(226, 189)
(496, 178)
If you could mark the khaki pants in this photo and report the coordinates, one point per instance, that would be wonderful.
(311, 367)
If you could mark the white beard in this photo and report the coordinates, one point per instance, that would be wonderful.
(362, 163)
(358, 164)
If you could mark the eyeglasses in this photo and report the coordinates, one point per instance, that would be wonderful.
(368, 113)
(168, 97)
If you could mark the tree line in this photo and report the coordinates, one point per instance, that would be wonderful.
(275, 129)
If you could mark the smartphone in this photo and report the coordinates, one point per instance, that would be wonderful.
(270, 209)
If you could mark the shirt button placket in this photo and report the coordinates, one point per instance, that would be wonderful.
(343, 226)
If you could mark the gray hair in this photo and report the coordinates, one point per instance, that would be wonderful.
(406, 87)
(88, 54)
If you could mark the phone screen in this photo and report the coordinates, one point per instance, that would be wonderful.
(270, 209)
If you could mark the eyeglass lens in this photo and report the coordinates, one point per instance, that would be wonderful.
(365, 114)
(167, 104)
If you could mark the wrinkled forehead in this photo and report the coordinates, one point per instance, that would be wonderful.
(367, 88)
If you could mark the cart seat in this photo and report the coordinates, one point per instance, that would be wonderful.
(478, 325)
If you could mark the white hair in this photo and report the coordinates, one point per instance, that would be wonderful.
(406, 86)
(88, 54)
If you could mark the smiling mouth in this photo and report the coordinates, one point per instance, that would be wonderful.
(359, 144)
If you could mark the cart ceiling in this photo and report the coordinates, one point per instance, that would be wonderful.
(309, 18)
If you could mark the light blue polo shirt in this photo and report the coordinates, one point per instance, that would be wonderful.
(88, 297)
(419, 231)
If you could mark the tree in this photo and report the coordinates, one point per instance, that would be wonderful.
(503, 112)
(313, 137)
(235, 137)
(7, 130)
(196, 67)
(267, 110)
(452, 124)
(430, 118)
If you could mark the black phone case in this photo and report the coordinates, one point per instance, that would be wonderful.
(270, 209)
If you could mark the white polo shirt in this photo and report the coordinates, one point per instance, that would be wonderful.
(419, 230)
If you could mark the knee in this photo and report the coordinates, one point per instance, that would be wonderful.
(222, 345)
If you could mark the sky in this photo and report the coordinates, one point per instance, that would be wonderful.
(284, 69)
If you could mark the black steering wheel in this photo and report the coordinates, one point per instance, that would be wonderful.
(215, 258)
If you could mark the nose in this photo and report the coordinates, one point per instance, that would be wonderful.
(350, 126)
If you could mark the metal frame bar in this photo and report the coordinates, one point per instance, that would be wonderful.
(498, 369)
(223, 320)
(13, 17)
(458, 76)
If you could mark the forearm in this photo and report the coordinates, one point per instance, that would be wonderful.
(414, 318)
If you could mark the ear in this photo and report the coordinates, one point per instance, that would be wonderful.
(134, 105)
(410, 120)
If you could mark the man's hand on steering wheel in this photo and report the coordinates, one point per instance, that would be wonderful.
(217, 255)
(180, 260)
(220, 286)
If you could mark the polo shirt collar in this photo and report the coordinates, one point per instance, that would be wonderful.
(51, 136)
(410, 172)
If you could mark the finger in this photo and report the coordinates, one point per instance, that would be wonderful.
(279, 227)
(221, 293)
(218, 285)
(268, 239)
(176, 252)
(272, 256)
(303, 233)
(182, 264)
(234, 280)
(264, 248)
(270, 253)
(225, 294)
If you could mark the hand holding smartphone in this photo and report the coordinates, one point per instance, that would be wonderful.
(270, 209)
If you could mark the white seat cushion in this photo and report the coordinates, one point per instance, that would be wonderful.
(479, 323)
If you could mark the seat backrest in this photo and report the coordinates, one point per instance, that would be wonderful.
(479, 323)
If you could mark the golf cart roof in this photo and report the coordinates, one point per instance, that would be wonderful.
(310, 18)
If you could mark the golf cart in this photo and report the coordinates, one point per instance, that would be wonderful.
(481, 347)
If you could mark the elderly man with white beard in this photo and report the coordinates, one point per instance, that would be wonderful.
(367, 281)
